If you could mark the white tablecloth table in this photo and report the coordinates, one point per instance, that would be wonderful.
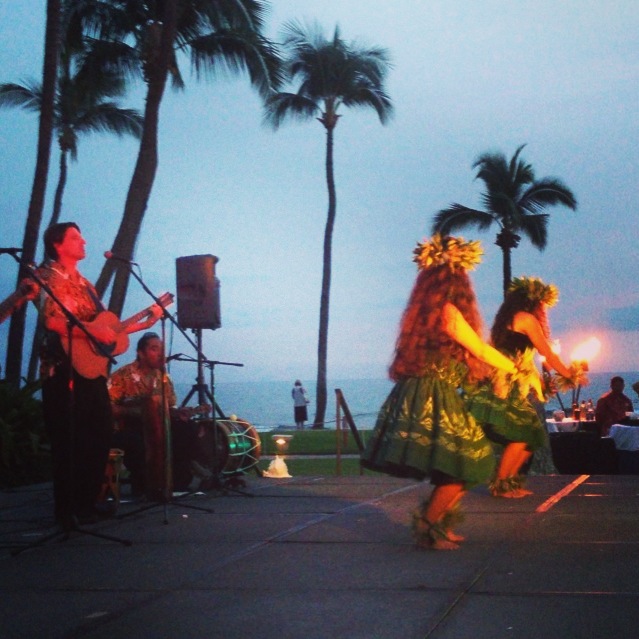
(625, 437)
(565, 426)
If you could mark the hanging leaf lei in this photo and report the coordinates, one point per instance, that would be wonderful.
(454, 252)
(536, 290)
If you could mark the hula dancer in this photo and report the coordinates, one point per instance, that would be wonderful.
(505, 409)
(423, 429)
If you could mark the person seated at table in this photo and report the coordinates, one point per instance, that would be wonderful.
(135, 391)
(612, 406)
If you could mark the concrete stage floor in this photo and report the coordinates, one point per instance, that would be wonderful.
(329, 557)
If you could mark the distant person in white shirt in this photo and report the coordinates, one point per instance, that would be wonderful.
(300, 400)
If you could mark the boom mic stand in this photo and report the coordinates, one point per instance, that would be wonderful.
(167, 496)
(69, 525)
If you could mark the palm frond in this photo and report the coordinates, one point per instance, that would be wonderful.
(519, 171)
(547, 192)
(457, 217)
(27, 95)
(110, 57)
(375, 98)
(299, 37)
(535, 228)
(238, 14)
(281, 106)
(233, 52)
(108, 117)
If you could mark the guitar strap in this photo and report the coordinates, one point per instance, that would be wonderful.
(99, 306)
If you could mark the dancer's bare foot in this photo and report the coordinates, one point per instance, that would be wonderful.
(444, 544)
(454, 537)
(508, 488)
(515, 493)
(433, 536)
(436, 544)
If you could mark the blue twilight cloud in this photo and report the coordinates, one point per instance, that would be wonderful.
(624, 319)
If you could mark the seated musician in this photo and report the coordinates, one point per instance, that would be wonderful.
(135, 391)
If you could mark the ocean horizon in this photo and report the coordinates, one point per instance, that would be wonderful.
(268, 405)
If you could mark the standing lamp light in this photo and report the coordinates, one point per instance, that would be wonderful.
(277, 467)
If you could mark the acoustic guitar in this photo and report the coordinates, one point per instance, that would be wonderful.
(90, 362)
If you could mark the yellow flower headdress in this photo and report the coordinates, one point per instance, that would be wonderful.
(453, 252)
(536, 290)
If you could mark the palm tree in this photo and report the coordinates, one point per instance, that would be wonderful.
(80, 108)
(331, 74)
(514, 200)
(145, 38)
(38, 190)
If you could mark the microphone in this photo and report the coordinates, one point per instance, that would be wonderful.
(174, 356)
(112, 256)
(10, 251)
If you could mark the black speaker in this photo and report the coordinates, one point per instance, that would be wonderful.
(198, 292)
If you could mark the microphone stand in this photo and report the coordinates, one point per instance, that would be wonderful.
(202, 390)
(69, 525)
(167, 496)
(228, 483)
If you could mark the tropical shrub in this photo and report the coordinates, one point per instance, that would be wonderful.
(25, 453)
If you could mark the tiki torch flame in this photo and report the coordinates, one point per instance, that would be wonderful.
(582, 354)
(586, 351)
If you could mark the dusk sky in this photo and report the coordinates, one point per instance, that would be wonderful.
(468, 76)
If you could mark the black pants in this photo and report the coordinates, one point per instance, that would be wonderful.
(79, 425)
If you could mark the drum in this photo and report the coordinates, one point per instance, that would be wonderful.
(233, 447)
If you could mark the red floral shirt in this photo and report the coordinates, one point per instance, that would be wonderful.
(78, 296)
(130, 384)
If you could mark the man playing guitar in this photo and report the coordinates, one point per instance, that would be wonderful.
(80, 439)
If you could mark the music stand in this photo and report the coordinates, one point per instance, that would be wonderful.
(167, 497)
(69, 525)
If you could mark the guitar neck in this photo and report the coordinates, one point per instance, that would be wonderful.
(135, 318)
(165, 300)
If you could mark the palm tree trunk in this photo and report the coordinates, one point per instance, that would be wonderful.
(38, 333)
(34, 216)
(506, 241)
(507, 268)
(322, 344)
(144, 172)
(59, 192)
